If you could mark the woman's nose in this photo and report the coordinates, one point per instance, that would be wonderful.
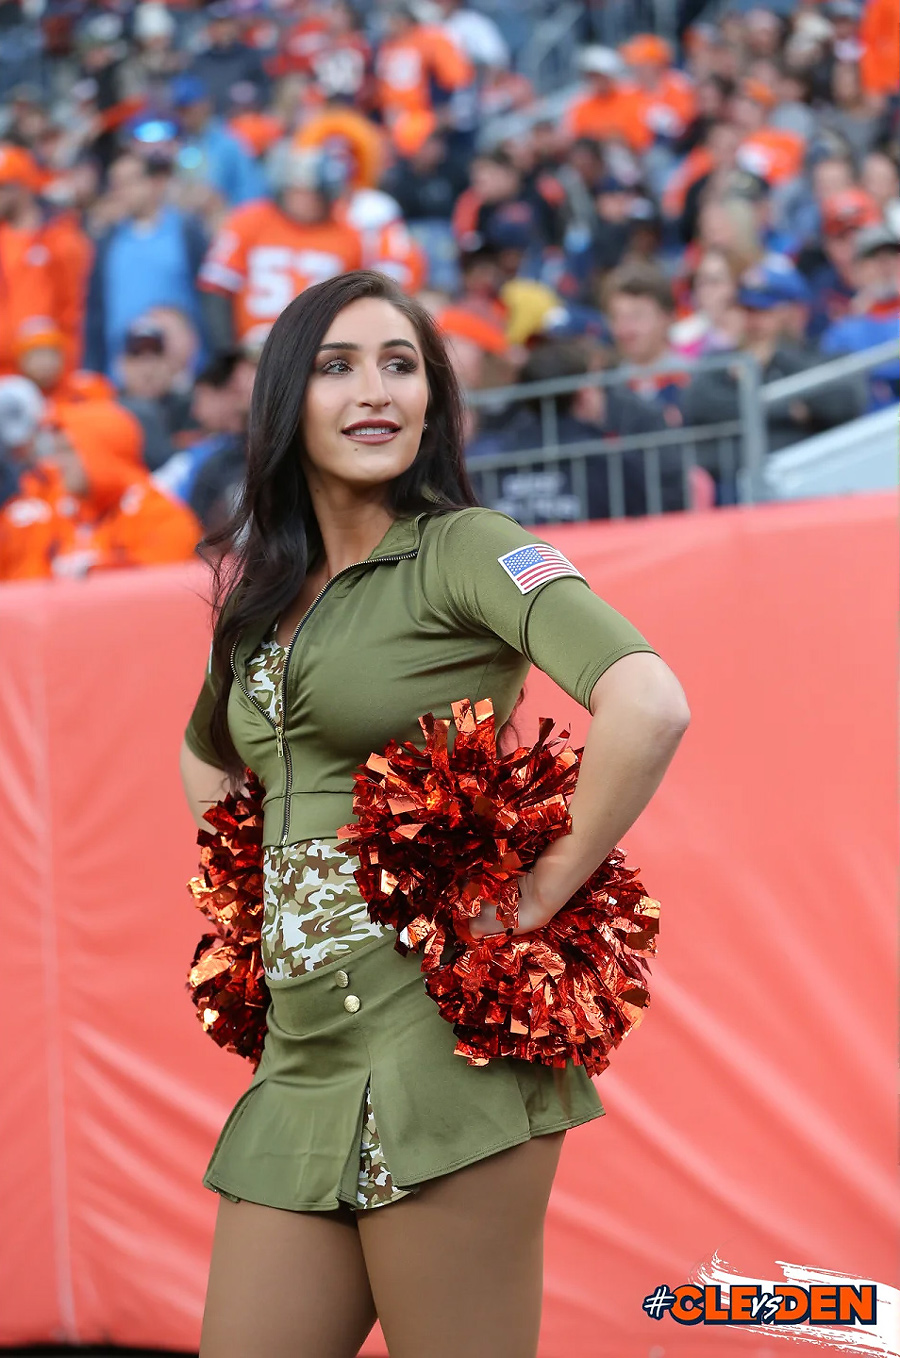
(372, 388)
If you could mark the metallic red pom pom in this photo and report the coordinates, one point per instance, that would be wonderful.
(226, 980)
(440, 831)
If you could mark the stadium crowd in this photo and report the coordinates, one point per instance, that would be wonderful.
(171, 175)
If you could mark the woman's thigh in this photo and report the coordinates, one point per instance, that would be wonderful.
(458, 1266)
(285, 1285)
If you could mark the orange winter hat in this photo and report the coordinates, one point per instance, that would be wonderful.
(38, 332)
(109, 442)
(18, 167)
(646, 49)
(465, 324)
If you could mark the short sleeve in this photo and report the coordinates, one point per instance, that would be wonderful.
(488, 573)
(196, 734)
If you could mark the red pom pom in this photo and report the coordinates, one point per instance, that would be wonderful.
(438, 832)
(570, 990)
(226, 980)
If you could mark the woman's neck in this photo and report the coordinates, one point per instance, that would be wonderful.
(350, 529)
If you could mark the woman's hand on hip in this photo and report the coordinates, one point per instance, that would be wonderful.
(534, 911)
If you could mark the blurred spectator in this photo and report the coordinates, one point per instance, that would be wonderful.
(831, 277)
(500, 209)
(387, 244)
(21, 409)
(226, 60)
(715, 322)
(219, 407)
(44, 260)
(668, 100)
(610, 108)
(155, 58)
(144, 378)
(474, 33)
(853, 114)
(880, 54)
(426, 179)
(150, 256)
(418, 67)
(210, 154)
(767, 296)
(640, 307)
(590, 415)
(880, 179)
(268, 252)
(874, 310)
(87, 503)
(329, 50)
(40, 349)
(344, 133)
(102, 48)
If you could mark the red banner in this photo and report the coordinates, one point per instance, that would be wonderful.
(751, 1119)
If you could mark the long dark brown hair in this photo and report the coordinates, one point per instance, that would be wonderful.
(273, 534)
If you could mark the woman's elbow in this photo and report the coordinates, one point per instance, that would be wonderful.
(643, 681)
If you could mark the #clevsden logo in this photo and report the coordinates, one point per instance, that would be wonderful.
(824, 1308)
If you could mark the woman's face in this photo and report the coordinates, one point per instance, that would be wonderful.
(714, 289)
(366, 399)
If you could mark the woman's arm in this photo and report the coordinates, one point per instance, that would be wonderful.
(638, 715)
(203, 784)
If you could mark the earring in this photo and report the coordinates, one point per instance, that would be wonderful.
(424, 424)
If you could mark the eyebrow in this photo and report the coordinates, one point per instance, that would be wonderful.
(388, 344)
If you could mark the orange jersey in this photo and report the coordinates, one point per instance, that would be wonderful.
(387, 244)
(43, 273)
(338, 65)
(263, 259)
(405, 67)
(619, 114)
(879, 65)
(773, 154)
(351, 136)
(667, 109)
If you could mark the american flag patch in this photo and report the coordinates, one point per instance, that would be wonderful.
(533, 565)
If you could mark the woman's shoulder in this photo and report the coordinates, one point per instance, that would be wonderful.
(474, 527)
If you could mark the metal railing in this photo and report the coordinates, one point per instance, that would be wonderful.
(552, 480)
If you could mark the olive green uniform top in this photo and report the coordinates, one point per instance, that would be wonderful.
(431, 616)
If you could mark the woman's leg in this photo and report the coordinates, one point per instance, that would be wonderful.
(285, 1285)
(458, 1266)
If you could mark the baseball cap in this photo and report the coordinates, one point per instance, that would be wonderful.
(849, 210)
(873, 238)
(188, 89)
(142, 337)
(21, 411)
(773, 282)
(597, 60)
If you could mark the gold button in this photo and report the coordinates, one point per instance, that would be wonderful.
(351, 1004)
(342, 979)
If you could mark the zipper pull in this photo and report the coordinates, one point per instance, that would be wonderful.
(279, 740)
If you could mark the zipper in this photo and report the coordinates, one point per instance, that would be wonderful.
(283, 747)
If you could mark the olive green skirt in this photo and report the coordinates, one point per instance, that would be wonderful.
(292, 1139)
